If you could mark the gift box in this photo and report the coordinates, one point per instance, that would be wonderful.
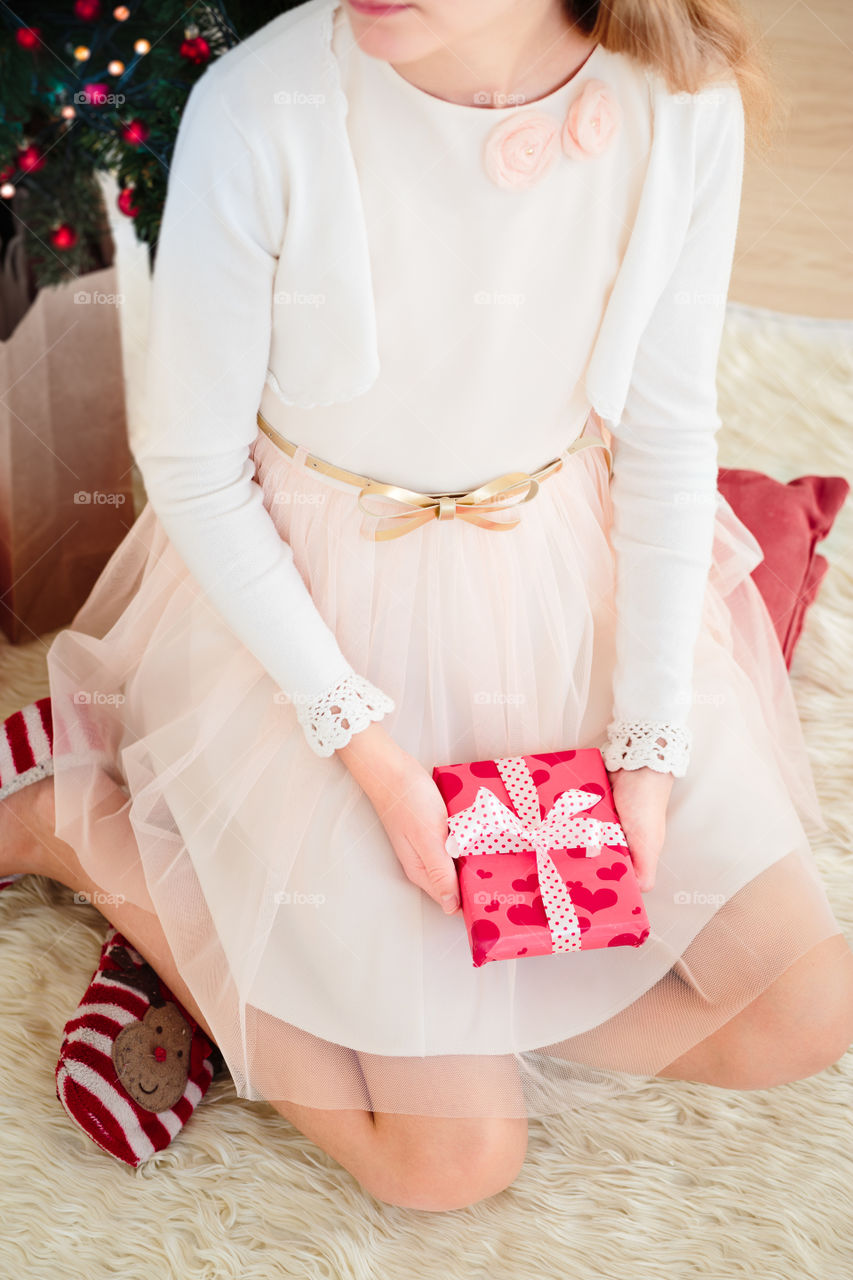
(542, 860)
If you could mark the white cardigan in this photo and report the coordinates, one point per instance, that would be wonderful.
(263, 183)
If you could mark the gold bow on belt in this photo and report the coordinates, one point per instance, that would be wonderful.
(511, 489)
(507, 490)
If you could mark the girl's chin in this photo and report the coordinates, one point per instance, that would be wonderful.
(399, 38)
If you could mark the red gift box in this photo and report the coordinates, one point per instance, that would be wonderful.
(543, 862)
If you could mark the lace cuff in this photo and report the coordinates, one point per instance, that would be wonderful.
(330, 720)
(631, 744)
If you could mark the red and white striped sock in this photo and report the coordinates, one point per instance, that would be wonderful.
(26, 752)
(126, 998)
(122, 992)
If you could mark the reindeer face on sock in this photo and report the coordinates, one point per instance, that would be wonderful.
(151, 1057)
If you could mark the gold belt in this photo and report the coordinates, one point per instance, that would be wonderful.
(510, 489)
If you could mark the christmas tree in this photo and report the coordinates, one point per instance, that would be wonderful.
(88, 85)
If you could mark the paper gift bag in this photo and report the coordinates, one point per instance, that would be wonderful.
(542, 860)
(65, 465)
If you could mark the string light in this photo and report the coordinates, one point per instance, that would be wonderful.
(115, 67)
(141, 46)
(81, 53)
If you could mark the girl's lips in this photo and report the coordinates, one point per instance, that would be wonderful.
(377, 10)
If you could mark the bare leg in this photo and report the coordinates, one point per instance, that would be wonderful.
(801, 1024)
(421, 1162)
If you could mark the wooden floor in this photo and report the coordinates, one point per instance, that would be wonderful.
(795, 244)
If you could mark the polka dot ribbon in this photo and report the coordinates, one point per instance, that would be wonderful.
(490, 826)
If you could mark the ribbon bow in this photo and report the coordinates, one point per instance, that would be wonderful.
(496, 495)
(490, 826)
(510, 489)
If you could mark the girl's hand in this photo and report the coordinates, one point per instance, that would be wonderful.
(641, 797)
(410, 808)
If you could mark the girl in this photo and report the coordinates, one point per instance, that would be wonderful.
(409, 251)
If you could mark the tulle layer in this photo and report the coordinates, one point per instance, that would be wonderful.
(184, 783)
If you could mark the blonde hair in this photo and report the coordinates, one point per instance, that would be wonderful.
(691, 43)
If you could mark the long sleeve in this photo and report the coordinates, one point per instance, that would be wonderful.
(664, 483)
(209, 340)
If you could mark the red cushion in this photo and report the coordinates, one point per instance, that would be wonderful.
(788, 520)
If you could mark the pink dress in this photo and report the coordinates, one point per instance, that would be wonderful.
(183, 778)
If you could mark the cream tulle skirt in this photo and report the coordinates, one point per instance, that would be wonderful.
(184, 784)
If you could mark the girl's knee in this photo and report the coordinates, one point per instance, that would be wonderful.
(827, 1011)
(810, 1026)
(484, 1157)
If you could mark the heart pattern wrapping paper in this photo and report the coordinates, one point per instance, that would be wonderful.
(578, 895)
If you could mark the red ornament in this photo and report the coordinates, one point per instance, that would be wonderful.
(96, 93)
(30, 159)
(126, 202)
(87, 10)
(196, 50)
(8, 173)
(135, 133)
(28, 37)
(64, 236)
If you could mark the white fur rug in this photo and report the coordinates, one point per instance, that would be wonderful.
(676, 1181)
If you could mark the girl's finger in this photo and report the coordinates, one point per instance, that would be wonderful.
(645, 860)
(439, 876)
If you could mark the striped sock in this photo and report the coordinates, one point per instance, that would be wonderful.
(26, 747)
(129, 1030)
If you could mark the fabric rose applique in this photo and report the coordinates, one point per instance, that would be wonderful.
(591, 121)
(523, 147)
